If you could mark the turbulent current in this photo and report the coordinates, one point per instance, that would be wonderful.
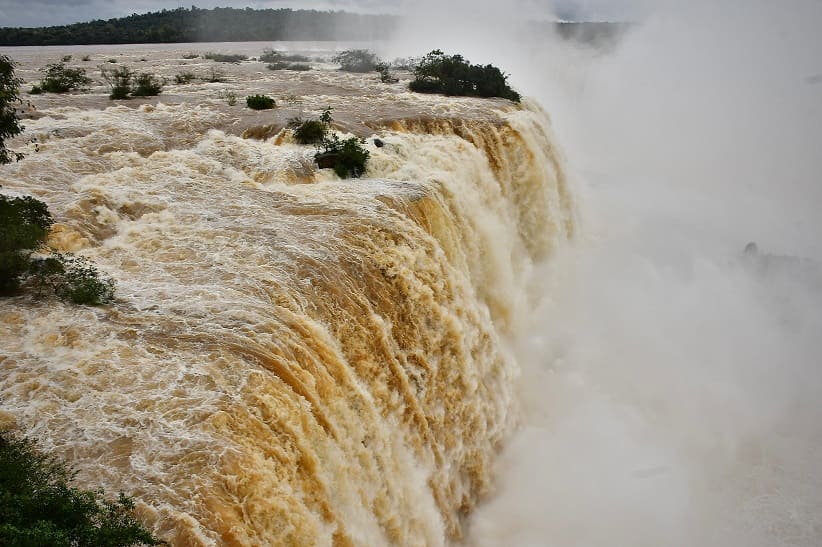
(291, 359)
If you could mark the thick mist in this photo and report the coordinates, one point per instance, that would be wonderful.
(671, 383)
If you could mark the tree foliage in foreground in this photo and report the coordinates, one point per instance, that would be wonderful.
(9, 98)
(24, 225)
(40, 508)
(454, 75)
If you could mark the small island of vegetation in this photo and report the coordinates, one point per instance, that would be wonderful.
(454, 75)
(347, 157)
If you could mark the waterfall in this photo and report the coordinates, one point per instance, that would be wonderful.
(291, 358)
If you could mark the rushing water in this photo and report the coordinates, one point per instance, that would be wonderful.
(291, 358)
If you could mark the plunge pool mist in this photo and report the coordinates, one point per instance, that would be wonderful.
(672, 381)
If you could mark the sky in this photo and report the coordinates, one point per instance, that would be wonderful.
(36, 13)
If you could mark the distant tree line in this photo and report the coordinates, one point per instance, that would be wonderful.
(208, 25)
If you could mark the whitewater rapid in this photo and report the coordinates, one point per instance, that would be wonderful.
(291, 358)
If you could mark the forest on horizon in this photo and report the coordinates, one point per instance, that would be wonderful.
(183, 25)
(208, 25)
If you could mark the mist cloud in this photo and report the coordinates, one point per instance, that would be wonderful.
(671, 384)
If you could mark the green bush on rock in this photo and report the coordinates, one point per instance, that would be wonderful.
(309, 131)
(260, 102)
(272, 56)
(184, 78)
(346, 156)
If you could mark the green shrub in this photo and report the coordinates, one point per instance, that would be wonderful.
(41, 508)
(184, 78)
(225, 57)
(453, 75)
(86, 58)
(260, 102)
(348, 156)
(9, 98)
(59, 78)
(309, 132)
(191, 55)
(35, 90)
(66, 58)
(70, 277)
(119, 80)
(148, 85)
(356, 60)
(79, 281)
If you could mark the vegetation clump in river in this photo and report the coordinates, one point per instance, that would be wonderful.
(453, 75)
(282, 61)
(260, 102)
(148, 85)
(347, 157)
(356, 60)
(225, 57)
(58, 78)
(123, 82)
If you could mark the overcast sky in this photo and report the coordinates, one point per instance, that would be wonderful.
(36, 13)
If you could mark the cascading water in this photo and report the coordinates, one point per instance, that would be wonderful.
(291, 359)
